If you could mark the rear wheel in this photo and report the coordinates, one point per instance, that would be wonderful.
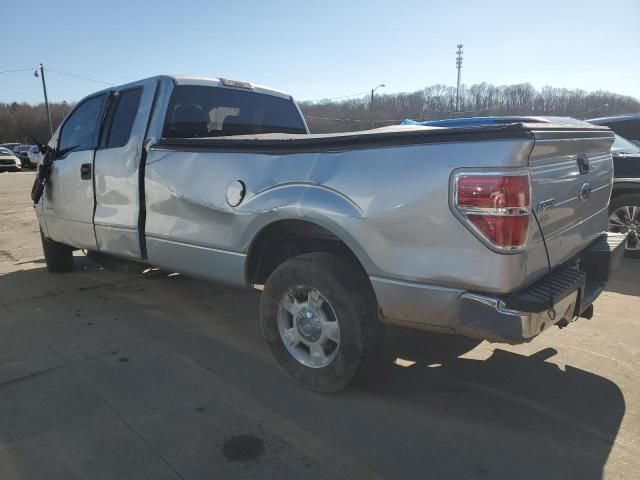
(624, 217)
(318, 314)
(58, 257)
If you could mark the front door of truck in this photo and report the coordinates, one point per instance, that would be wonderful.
(69, 197)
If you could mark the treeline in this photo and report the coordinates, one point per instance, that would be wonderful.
(439, 101)
(20, 121)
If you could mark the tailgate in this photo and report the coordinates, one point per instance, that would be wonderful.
(571, 178)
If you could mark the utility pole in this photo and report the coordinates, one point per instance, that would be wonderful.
(459, 67)
(371, 103)
(46, 100)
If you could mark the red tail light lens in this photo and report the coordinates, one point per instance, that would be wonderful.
(496, 206)
(493, 191)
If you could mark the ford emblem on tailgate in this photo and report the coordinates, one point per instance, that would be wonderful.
(584, 192)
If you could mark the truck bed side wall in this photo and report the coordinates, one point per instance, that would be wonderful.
(389, 205)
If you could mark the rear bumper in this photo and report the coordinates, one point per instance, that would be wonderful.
(512, 318)
(561, 296)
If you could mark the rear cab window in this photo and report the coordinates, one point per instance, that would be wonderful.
(205, 111)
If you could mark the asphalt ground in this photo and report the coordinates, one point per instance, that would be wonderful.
(108, 375)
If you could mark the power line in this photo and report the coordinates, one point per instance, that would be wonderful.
(73, 75)
(17, 70)
(344, 96)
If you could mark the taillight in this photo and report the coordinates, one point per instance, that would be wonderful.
(496, 206)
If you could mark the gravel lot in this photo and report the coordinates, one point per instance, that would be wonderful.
(122, 376)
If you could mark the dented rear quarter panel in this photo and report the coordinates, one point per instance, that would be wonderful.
(389, 205)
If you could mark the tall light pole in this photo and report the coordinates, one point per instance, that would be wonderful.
(44, 89)
(459, 67)
(382, 85)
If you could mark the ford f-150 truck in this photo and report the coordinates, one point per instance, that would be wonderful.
(493, 232)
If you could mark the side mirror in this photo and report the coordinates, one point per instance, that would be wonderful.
(60, 154)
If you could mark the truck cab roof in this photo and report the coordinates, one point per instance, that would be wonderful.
(207, 81)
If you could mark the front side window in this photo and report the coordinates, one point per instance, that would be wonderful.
(200, 111)
(80, 131)
(123, 117)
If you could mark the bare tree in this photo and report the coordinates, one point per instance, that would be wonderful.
(19, 122)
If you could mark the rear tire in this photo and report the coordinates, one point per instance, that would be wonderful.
(344, 299)
(58, 256)
(619, 209)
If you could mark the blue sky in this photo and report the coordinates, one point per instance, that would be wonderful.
(315, 49)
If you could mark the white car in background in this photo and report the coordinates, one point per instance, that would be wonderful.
(9, 161)
(34, 155)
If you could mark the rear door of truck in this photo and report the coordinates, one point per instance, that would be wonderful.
(571, 173)
(117, 168)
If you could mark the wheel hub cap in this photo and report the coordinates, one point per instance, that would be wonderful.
(308, 326)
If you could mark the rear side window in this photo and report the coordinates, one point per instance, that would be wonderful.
(81, 128)
(126, 108)
(200, 111)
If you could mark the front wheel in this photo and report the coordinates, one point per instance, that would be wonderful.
(624, 217)
(319, 317)
(57, 256)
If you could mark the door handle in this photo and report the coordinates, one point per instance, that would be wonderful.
(85, 171)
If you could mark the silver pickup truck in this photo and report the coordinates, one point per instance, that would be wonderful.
(491, 232)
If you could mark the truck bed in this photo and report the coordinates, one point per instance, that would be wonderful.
(396, 135)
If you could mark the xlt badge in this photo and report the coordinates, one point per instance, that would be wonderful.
(546, 204)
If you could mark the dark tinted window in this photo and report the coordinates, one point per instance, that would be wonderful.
(127, 104)
(198, 111)
(81, 128)
(627, 128)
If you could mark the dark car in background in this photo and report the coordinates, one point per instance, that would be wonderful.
(22, 152)
(628, 126)
(624, 207)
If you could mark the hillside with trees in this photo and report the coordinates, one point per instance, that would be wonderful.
(439, 101)
(18, 121)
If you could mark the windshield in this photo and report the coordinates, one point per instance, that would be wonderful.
(5, 151)
(622, 145)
